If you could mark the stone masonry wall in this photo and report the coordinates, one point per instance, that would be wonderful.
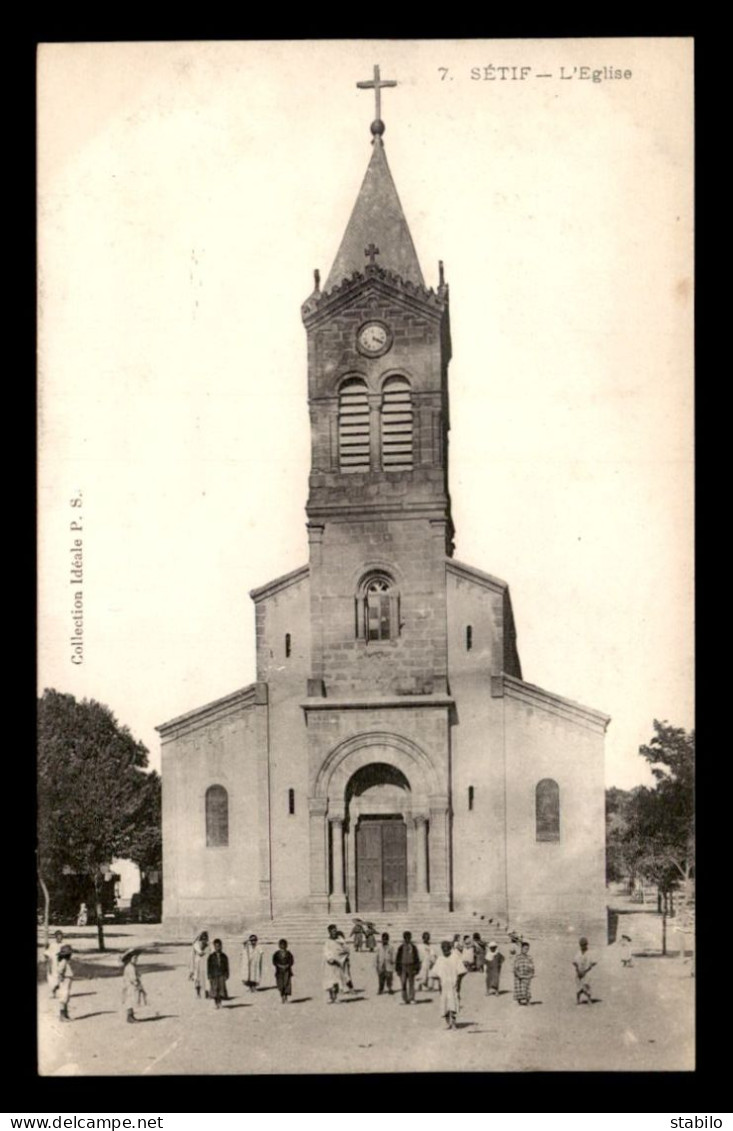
(414, 662)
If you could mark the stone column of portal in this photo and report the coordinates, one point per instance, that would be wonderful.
(421, 830)
(338, 898)
(421, 852)
(317, 807)
(351, 863)
(439, 852)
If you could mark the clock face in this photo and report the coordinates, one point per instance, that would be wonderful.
(374, 339)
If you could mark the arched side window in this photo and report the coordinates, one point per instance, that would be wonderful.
(353, 426)
(397, 425)
(547, 809)
(377, 608)
(217, 817)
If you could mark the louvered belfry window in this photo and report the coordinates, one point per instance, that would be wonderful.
(396, 425)
(353, 426)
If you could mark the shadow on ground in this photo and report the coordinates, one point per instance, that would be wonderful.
(92, 970)
(86, 1016)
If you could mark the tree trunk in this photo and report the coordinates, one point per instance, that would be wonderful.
(664, 928)
(46, 909)
(98, 909)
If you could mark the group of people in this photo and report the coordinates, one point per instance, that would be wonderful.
(418, 965)
(60, 975)
(209, 963)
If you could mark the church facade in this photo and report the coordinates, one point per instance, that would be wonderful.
(389, 758)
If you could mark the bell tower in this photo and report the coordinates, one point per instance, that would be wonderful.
(379, 515)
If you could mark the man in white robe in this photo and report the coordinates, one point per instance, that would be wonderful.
(446, 970)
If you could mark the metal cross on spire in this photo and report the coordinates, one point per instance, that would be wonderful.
(377, 84)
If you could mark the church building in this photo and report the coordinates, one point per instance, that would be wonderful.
(389, 759)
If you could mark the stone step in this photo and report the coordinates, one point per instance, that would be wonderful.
(307, 928)
(302, 927)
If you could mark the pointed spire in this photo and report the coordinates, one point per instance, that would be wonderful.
(377, 220)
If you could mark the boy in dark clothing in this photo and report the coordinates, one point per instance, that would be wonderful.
(217, 970)
(385, 959)
(283, 962)
(479, 952)
(407, 965)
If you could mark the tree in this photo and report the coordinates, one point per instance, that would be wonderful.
(95, 800)
(666, 813)
(619, 862)
(651, 832)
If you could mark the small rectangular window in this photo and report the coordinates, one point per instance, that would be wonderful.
(469, 637)
(291, 802)
(470, 797)
(287, 645)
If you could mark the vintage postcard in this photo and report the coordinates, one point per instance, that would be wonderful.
(365, 432)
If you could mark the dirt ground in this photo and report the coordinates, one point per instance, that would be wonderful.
(642, 1017)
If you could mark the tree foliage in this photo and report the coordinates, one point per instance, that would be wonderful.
(651, 831)
(95, 800)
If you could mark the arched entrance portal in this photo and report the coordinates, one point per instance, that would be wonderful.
(378, 806)
(379, 827)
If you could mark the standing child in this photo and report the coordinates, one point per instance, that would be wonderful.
(583, 964)
(252, 955)
(385, 961)
(217, 968)
(283, 962)
(626, 955)
(428, 955)
(51, 955)
(335, 964)
(523, 975)
(493, 964)
(65, 976)
(132, 988)
(197, 964)
(407, 965)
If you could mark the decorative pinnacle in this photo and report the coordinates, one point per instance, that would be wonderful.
(377, 85)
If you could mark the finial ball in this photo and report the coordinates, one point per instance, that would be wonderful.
(377, 127)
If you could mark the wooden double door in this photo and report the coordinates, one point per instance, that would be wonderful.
(381, 864)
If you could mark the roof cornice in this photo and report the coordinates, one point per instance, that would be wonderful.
(470, 573)
(322, 303)
(251, 696)
(535, 696)
(282, 582)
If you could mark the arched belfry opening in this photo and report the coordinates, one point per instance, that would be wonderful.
(378, 806)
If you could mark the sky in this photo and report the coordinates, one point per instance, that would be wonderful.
(187, 191)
